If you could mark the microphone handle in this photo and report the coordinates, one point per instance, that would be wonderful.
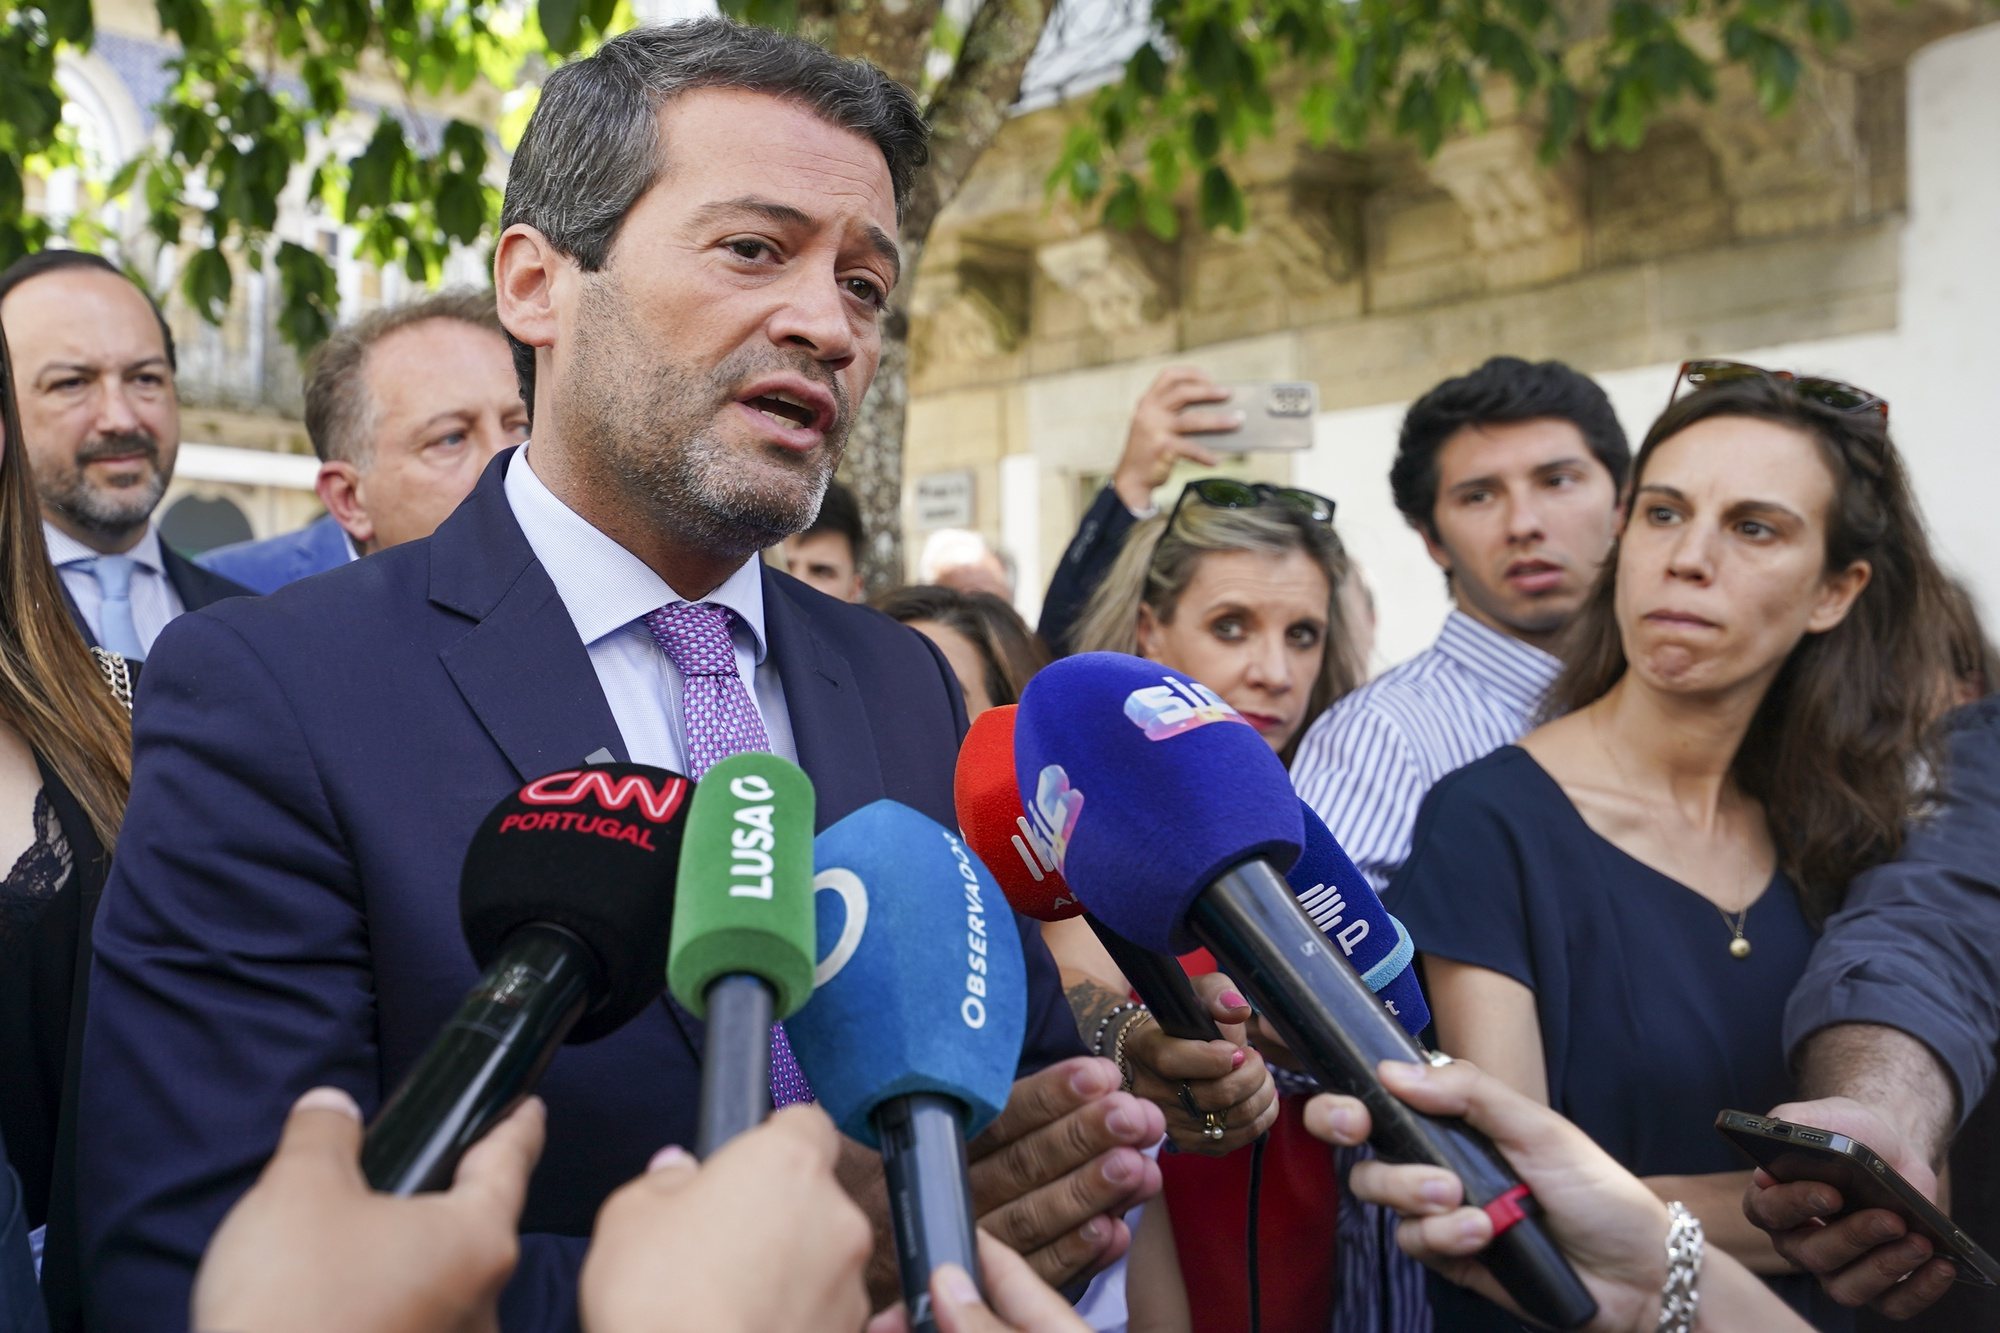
(930, 1198)
(735, 1061)
(484, 1062)
(1162, 983)
(1254, 926)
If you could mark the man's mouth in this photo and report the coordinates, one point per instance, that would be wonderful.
(1534, 575)
(792, 403)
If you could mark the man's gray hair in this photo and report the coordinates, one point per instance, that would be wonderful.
(593, 146)
(340, 414)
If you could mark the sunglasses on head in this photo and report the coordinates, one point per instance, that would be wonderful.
(1832, 394)
(1223, 493)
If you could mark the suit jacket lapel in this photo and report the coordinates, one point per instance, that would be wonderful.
(521, 668)
(830, 724)
(195, 586)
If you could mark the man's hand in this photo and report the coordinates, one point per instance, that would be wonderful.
(1022, 1302)
(311, 1247)
(1161, 434)
(1051, 1176)
(1868, 1257)
(760, 1237)
(1220, 1076)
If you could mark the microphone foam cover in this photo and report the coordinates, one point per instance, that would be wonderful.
(1148, 787)
(1344, 905)
(593, 850)
(990, 817)
(743, 904)
(921, 987)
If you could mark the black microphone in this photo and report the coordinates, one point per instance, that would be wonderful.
(1172, 818)
(566, 899)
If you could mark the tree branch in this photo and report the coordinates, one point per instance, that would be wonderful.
(971, 106)
(892, 35)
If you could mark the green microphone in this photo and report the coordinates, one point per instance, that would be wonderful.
(743, 943)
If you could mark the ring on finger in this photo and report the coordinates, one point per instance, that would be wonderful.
(1211, 1123)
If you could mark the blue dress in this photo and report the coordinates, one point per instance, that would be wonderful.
(1649, 1026)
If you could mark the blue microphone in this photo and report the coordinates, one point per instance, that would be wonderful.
(913, 1033)
(1173, 821)
(1344, 905)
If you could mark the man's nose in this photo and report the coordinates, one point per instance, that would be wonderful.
(115, 413)
(817, 317)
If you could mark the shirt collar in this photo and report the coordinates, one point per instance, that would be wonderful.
(1519, 672)
(603, 586)
(65, 550)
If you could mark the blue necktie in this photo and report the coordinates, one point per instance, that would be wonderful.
(116, 631)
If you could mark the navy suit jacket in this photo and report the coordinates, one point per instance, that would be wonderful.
(283, 906)
(268, 565)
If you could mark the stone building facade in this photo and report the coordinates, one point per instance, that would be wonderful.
(1855, 236)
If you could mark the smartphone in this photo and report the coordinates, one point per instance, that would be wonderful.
(1277, 414)
(1800, 1152)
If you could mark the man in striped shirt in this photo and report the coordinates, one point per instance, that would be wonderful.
(1512, 476)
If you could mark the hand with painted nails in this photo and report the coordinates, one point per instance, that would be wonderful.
(1226, 1080)
(1020, 1301)
(1162, 433)
(1053, 1175)
(1868, 1256)
(760, 1238)
(312, 1248)
(1610, 1226)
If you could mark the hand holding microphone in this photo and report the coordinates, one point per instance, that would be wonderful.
(1608, 1223)
(1174, 821)
(312, 1249)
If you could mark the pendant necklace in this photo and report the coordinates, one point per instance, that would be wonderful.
(1739, 947)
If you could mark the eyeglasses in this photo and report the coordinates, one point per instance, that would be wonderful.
(1222, 493)
(1827, 393)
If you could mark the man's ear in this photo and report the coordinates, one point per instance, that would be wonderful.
(339, 488)
(526, 270)
(1440, 556)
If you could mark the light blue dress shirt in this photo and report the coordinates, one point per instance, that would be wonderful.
(606, 589)
(154, 601)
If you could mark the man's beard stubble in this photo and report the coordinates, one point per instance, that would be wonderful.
(113, 512)
(647, 426)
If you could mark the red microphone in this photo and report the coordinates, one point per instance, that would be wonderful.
(996, 828)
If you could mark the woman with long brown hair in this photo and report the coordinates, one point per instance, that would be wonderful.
(65, 768)
(1613, 912)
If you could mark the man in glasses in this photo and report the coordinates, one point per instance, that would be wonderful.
(1511, 475)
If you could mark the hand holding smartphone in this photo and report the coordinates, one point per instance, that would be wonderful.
(1792, 1152)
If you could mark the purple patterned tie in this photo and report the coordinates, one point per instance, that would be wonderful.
(721, 719)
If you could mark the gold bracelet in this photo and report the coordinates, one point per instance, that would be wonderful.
(1118, 1047)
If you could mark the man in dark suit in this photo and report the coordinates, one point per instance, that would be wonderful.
(94, 368)
(699, 242)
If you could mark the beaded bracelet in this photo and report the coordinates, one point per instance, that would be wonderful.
(1103, 1024)
(1680, 1299)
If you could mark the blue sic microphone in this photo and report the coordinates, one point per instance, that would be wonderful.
(913, 1033)
(1345, 907)
(1174, 822)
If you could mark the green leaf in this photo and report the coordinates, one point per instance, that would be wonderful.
(1205, 135)
(1220, 201)
(1121, 207)
(561, 23)
(1148, 70)
(1161, 217)
(207, 284)
(461, 208)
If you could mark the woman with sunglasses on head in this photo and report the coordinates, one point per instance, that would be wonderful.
(65, 768)
(1613, 912)
(1238, 587)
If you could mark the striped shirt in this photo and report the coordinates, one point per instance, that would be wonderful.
(1367, 762)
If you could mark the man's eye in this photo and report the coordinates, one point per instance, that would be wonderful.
(748, 248)
(868, 291)
(1228, 627)
(1659, 515)
(451, 441)
(1474, 497)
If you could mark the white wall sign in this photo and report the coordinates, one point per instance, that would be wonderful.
(944, 500)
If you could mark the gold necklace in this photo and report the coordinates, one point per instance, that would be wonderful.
(1739, 947)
